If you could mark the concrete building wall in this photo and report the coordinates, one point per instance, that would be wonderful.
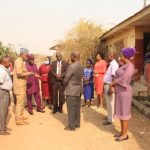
(127, 36)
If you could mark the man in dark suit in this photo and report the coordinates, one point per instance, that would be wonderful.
(58, 72)
(73, 90)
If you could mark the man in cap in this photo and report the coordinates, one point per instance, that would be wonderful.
(33, 86)
(19, 84)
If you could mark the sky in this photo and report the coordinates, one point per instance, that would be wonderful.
(39, 24)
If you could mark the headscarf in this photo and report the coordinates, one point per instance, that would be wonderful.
(128, 52)
(30, 56)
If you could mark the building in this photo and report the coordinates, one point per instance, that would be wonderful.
(132, 32)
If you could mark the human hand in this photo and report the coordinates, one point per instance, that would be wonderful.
(58, 76)
(31, 73)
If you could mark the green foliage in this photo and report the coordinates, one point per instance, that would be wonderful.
(7, 51)
(84, 37)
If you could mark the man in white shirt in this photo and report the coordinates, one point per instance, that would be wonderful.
(5, 87)
(109, 93)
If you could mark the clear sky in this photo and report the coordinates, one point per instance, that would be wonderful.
(38, 24)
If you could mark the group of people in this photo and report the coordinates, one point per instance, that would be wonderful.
(63, 82)
(112, 81)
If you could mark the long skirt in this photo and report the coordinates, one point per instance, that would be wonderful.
(46, 90)
(88, 91)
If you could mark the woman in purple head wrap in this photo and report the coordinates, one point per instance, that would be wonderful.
(123, 91)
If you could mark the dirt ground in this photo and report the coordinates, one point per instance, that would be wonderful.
(46, 132)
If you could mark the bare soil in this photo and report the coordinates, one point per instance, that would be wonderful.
(46, 132)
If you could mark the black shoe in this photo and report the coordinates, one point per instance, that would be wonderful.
(77, 126)
(119, 139)
(30, 112)
(117, 135)
(8, 129)
(40, 110)
(60, 110)
(84, 105)
(50, 107)
(4, 133)
(68, 128)
(54, 111)
(107, 123)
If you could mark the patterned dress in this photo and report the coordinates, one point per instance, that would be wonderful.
(88, 86)
(123, 92)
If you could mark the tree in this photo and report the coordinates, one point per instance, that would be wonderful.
(83, 37)
(7, 51)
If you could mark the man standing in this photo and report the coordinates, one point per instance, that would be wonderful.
(109, 92)
(5, 87)
(58, 72)
(33, 86)
(73, 82)
(19, 85)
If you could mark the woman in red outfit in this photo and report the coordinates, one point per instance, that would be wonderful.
(45, 80)
(99, 71)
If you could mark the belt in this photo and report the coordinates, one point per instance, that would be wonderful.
(4, 90)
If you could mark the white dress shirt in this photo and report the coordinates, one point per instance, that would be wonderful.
(111, 71)
(58, 67)
(5, 80)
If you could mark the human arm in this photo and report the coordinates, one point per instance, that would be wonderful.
(20, 72)
(68, 75)
(123, 79)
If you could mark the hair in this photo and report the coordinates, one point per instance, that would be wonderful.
(49, 59)
(101, 54)
(3, 58)
(90, 60)
(112, 53)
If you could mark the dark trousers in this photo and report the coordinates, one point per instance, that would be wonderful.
(4, 104)
(73, 108)
(37, 100)
(58, 95)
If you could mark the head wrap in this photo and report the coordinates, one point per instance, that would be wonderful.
(23, 50)
(30, 56)
(128, 52)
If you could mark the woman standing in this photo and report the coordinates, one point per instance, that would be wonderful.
(45, 86)
(88, 83)
(99, 71)
(123, 92)
(147, 68)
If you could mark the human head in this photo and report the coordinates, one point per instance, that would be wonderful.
(67, 60)
(47, 60)
(111, 55)
(5, 61)
(31, 59)
(24, 54)
(99, 56)
(75, 56)
(59, 56)
(127, 53)
(89, 62)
